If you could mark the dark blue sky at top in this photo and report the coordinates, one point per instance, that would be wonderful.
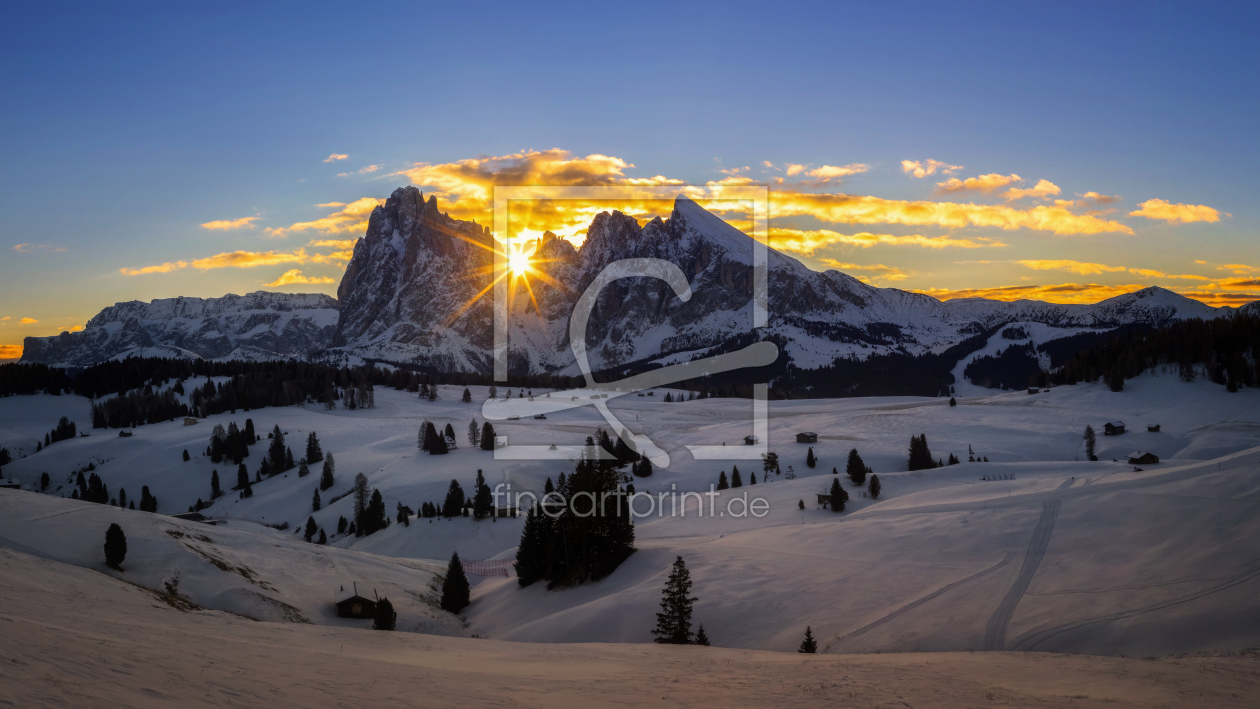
(123, 126)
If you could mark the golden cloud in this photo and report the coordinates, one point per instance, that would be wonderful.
(333, 257)
(792, 169)
(220, 224)
(851, 209)
(1087, 269)
(1172, 213)
(1041, 190)
(887, 273)
(927, 167)
(983, 183)
(806, 242)
(10, 351)
(1061, 293)
(350, 218)
(295, 277)
(233, 259)
(334, 243)
(335, 157)
(28, 321)
(828, 172)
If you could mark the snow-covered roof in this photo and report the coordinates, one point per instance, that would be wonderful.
(1114, 423)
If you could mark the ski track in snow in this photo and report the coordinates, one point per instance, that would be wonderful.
(995, 631)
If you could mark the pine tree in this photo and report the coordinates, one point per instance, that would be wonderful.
(952, 402)
(436, 443)
(474, 433)
(920, 455)
(314, 453)
(115, 547)
(1091, 442)
(310, 530)
(809, 645)
(752, 478)
(303, 469)
(449, 434)
(242, 477)
(483, 502)
(971, 455)
(838, 496)
(328, 476)
(385, 618)
(645, 468)
(953, 460)
(275, 452)
(341, 525)
(186, 456)
(250, 435)
(148, 503)
(701, 638)
(855, 468)
(531, 555)
(315, 501)
(810, 460)
(360, 491)
(455, 591)
(487, 436)
(770, 462)
(874, 487)
(374, 515)
(215, 490)
(673, 623)
(422, 437)
(467, 399)
(323, 538)
(722, 484)
(288, 459)
(736, 481)
(454, 501)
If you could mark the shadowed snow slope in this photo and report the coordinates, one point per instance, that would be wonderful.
(74, 637)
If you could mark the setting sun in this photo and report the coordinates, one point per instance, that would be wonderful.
(518, 262)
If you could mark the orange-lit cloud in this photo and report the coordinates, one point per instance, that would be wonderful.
(882, 272)
(295, 277)
(828, 172)
(10, 351)
(333, 243)
(28, 321)
(854, 209)
(1041, 190)
(1087, 269)
(927, 167)
(1089, 199)
(332, 258)
(242, 223)
(349, 218)
(1173, 213)
(28, 248)
(335, 157)
(806, 242)
(1061, 293)
(360, 171)
(233, 259)
(983, 183)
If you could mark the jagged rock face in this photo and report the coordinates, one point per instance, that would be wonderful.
(259, 325)
(416, 291)
(410, 291)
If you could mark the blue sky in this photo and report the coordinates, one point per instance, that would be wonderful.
(126, 128)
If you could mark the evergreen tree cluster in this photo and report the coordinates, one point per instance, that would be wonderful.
(92, 489)
(1224, 350)
(115, 546)
(587, 538)
(21, 379)
(231, 443)
(920, 454)
(65, 430)
(856, 469)
(1011, 368)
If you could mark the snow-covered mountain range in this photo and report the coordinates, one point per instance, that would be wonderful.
(417, 291)
(259, 325)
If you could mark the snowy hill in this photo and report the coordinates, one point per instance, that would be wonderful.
(1152, 562)
(259, 325)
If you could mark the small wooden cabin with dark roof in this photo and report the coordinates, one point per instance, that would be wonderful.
(1113, 428)
(1140, 458)
(351, 605)
(807, 437)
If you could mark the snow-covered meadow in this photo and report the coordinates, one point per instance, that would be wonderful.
(1035, 549)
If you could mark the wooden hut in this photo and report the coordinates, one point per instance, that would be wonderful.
(750, 440)
(1140, 458)
(807, 437)
(190, 421)
(1113, 428)
(351, 605)
(1152, 428)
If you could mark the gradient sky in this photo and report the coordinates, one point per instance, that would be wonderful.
(151, 152)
